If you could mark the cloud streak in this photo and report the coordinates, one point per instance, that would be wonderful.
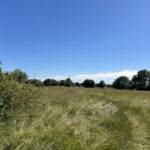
(108, 77)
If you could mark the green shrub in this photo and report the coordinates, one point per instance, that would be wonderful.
(102, 84)
(122, 82)
(88, 83)
(4, 105)
(13, 97)
(35, 82)
(5, 99)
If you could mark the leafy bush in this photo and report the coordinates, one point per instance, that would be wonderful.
(142, 80)
(88, 83)
(13, 97)
(5, 99)
(47, 82)
(17, 76)
(62, 82)
(4, 105)
(54, 82)
(78, 84)
(102, 84)
(121, 83)
(36, 82)
(68, 82)
(50, 82)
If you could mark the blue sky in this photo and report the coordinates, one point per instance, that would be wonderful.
(52, 38)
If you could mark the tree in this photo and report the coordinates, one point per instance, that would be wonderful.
(102, 84)
(18, 76)
(47, 82)
(109, 85)
(50, 82)
(54, 82)
(88, 83)
(148, 87)
(78, 84)
(36, 82)
(121, 83)
(141, 80)
(68, 82)
(62, 82)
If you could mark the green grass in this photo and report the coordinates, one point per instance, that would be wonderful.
(60, 118)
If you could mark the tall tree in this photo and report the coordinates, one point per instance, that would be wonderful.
(121, 83)
(141, 80)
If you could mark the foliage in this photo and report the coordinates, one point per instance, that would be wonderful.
(6, 92)
(62, 82)
(109, 85)
(50, 82)
(78, 84)
(102, 84)
(88, 83)
(14, 95)
(17, 76)
(142, 80)
(47, 82)
(35, 82)
(121, 83)
(54, 82)
(68, 82)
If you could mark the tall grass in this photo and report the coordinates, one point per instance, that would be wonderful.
(59, 118)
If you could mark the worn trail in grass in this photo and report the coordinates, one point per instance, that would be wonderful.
(82, 119)
(136, 106)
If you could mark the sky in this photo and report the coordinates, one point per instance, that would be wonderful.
(97, 39)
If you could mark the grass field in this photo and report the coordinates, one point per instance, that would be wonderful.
(62, 118)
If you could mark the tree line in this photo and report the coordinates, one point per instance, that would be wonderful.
(140, 81)
(21, 77)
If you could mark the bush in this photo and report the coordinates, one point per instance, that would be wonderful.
(62, 82)
(78, 84)
(141, 80)
(122, 82)
(4, 105)
(47, 82)
(36, 82)
(18, 76)
(102, 84)
(54, 82)
(50, 82)
(88, 83)
(14, 97)
(68, 82)
(5, 99)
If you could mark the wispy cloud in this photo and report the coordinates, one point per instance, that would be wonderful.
(108, 77)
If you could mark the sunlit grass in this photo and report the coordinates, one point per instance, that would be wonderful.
(62, 118)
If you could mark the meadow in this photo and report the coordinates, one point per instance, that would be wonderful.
(72, 118)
